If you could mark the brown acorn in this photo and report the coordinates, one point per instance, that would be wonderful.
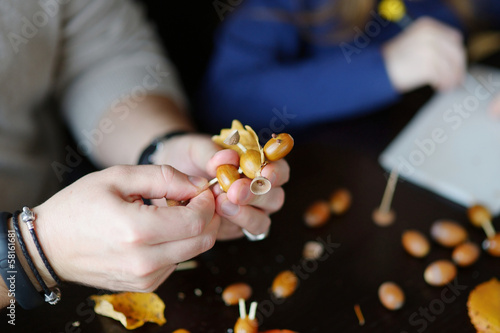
(226, 175)
(250, 163)
(278, 146)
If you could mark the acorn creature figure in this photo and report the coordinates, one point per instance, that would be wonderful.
(253, 158)
(246, 323)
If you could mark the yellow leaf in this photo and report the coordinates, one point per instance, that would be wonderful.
(484, 306)
(392, 10)
(248, 138)
(131, 309)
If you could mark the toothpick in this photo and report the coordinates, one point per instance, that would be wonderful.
(212, 182)
(252, 311)
(384, 215)
(190, 264)
(215, 180)
(488, 229)
(243, 149)
(359, 314)
(385, 205)
(243, 310)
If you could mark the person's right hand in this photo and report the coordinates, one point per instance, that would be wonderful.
(98, 232)
(427, 52)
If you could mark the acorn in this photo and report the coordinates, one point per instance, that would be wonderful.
(448, 233)
(232, 293)
(415, 243)
(480, 216)
(250, 163)
(465, 254)
(391, 295)
(278, 146)
(340, 201)
(317, 214)
(260, 185)
(440, 272)
(227, 174)
(284, 284)
(492, 245)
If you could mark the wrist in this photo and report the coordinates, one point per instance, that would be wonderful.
(148, 154)
(37, 261)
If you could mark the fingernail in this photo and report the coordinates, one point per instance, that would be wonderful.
(199, 182)
(244, 194)
(229, 208)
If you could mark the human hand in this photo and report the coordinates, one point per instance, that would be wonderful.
(239, 208)
(98, 232)
(427, 52)
(494, 107)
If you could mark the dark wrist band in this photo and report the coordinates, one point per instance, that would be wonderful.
(18, 283)
(51, 296)
(145, 157)
(28, 217)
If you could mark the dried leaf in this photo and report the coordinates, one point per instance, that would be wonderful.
(131, 309)
(484, 306)
(248, 138)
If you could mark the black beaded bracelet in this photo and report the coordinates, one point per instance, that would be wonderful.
(51, 296)
(17, 281)
(146, 154)
(28, 217)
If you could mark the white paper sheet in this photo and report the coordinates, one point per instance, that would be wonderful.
(452, 145)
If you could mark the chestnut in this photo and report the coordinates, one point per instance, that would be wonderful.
(278, 146)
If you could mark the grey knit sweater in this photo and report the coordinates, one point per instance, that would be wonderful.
(73, 58)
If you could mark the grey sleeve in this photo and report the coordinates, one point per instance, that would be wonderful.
(109, 52)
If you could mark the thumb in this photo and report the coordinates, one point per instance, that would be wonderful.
(155, 181)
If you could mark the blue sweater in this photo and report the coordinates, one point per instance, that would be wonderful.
(264, 73)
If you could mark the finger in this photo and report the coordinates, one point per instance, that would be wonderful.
(494, 107)
(229, 231)
(154, 181)
(186, 249)
(157, 225)
(150, 282)
(239, 194)
(271, 202)
(225, 156)
(277, 172)
(252, 219)
(454, 56)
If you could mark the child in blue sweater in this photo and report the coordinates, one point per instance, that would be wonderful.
(294, 63)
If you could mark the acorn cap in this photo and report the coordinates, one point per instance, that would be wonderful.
(233, 138)
(260, 185)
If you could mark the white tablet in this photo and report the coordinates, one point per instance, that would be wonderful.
(452, 145)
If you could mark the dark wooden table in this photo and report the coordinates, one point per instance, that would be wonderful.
(360, 255)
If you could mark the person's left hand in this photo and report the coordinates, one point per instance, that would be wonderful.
(494, 107)
(197, 154)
